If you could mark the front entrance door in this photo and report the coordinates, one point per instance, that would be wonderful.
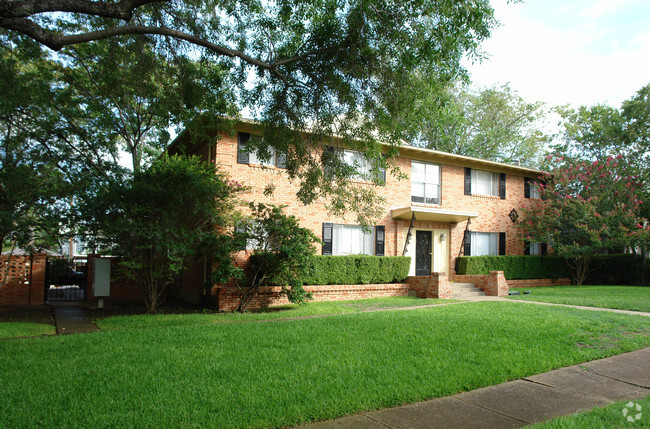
(422, 253)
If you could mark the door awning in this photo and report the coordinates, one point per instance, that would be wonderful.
(432, 214)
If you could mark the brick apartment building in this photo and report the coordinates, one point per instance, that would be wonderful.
(442, 194)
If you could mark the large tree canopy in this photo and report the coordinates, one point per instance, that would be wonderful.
(492, 123)
(307, 70)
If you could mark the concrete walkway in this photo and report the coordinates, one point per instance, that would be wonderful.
(581, 307)
(73, 319)
(521, 402)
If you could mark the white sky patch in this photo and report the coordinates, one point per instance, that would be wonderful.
(582, 52)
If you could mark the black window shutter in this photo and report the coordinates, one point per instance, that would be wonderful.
(328, 230)
(281, 160)
(543, 249)
(242, 154)
(467, 244)
(502, 186)
(526, 247)
(526, 187)
(379, 240)
(468, 181)
(502, 243)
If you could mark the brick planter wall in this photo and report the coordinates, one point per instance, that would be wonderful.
(434, 286)
(539, 282)
(493, 284)
(269, 296)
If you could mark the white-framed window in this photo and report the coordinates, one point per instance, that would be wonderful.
(485, 183)
(246, 156)
(425, 182)
(351, 240)
(533, 186)
(357, 161)
(484, 243)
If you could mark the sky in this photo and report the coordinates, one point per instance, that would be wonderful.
(577, 52)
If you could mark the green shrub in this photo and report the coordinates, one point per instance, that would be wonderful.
(616, 269)
(356, 269)
(515, 266)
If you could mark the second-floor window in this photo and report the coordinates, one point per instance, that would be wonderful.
(246, 156)
(425, 183)
(479, 182)
(531, 188)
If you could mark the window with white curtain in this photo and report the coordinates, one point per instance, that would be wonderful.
(484, 243)
(350, 240)
(425, 183)
(359, 162)
(535, 249)
(534, 189)
(485, 183)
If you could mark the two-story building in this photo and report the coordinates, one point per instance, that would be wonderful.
(449, 206)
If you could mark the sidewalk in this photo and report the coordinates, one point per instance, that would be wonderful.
(72, 319)
(521, 402)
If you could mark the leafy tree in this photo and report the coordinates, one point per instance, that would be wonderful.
(585, 208)
(282, 253)
(159, 219)
(306, 70)
(131, 94)
(492, 123)
(33, 189)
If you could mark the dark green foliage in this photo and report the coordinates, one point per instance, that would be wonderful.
(616, 269)
(283, 251)
(515, 267)
(356, 269)
(158, 220)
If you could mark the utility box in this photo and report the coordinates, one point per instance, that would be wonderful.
(101, 277)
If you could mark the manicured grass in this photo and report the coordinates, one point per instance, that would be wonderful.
(634, 298)
(25, 329)
(603, 417)
(311, 309)
(275, 374)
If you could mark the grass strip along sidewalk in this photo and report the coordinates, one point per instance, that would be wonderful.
(283, 373)
(633, 298)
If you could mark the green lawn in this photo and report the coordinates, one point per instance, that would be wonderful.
(275, 374)
(286, 311)
(603, 417)
(635, 298)
(25, 329)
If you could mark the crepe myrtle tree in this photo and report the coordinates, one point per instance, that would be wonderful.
(159, 219)
(281, 253)
(585, 208)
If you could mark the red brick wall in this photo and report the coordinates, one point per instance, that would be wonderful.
(269, 296)
(539, 282)
(23, 279)
(493, 212)
(434, 286)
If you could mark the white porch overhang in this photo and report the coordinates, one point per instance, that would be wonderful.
(432, 214)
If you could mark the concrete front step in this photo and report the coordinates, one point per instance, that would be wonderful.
(462, 290)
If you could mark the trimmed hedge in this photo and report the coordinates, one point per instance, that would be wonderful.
(515, 266)
(617, 269)
(356, 269)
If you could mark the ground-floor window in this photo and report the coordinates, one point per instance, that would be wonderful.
(352, 240)
(485, 243)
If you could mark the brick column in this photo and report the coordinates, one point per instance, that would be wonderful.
(496, 284)
(439, 286)
(37, 279)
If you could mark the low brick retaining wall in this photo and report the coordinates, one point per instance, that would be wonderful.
(493, 284)
(269, 296)
(539, 282)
